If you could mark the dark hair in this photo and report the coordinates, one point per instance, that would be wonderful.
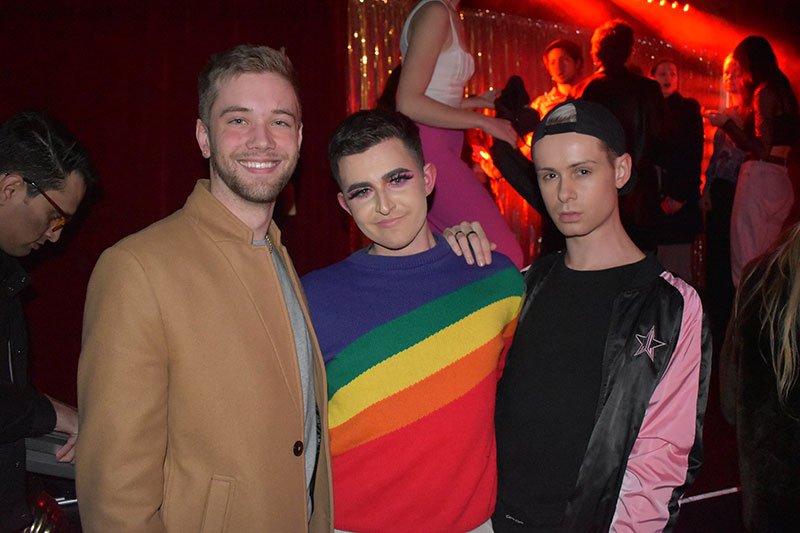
(230, 63)
(362, 130)
(635, 69)
(612, 43)
(572, 49)
(41, 150)
(662, 61)
(758, 62)
(388, 98)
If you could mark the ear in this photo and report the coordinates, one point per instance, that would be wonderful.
(343, 203)
(622, 170)
(300, 136)
(429, 177)
(12, 186)
(201, 133)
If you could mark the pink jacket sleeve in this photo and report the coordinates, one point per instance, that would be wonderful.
(658, 462)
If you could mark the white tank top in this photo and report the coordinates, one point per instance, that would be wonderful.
(454, 66)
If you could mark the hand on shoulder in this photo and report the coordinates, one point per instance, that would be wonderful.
(468, 240)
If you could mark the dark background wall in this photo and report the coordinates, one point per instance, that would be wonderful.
(122, 76)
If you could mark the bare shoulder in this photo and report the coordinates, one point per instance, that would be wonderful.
(436, 6)
(430, 16)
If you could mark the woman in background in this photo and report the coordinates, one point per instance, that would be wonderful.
(680, 219)
(436, 67)
(721, 175)
(758, 373)
(764, 194)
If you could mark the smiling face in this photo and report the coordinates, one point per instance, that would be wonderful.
(560, 65)
(26, 223)
(386, 191)
(254, 136)
(666, 74)
(579, 179)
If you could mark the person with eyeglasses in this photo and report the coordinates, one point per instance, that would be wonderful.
(44, 175)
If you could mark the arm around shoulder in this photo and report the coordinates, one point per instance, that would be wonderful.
(122, 399)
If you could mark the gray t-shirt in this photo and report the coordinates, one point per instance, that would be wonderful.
(305, 358)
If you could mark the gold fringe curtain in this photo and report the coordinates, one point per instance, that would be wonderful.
(373, 47)
(503, 45)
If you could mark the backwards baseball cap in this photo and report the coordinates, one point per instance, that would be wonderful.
(587, 118)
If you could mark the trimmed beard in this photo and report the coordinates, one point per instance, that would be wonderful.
(262, 193)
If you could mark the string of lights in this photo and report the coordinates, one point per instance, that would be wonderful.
(673, 5)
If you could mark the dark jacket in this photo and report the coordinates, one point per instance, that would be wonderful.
(630, 418)
(23, 411)
(639, 105)
(680, 170)
(768, 433)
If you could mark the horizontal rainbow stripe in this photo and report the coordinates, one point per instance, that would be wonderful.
(414, 347)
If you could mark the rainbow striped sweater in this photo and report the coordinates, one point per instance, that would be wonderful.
(413, 348)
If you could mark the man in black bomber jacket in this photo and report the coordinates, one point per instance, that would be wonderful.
(600, 407)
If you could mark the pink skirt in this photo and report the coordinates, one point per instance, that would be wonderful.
(458, 195)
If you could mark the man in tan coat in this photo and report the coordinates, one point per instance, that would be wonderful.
(201, 390)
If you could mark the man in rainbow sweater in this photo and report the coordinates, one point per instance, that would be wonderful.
(414, 341)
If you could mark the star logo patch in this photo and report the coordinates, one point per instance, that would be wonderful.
(648, 343)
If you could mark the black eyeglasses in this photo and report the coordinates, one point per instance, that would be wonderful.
(63, 217)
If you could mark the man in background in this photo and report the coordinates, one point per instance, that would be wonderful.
(563, 60)
(44, 175)
(637, 103)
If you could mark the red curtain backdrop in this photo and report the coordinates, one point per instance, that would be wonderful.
(122, 76)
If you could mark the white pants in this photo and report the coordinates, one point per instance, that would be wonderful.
(764, 197)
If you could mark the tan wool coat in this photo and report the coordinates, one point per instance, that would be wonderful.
(191, 407)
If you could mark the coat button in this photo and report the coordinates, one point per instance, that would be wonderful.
(298, 448)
